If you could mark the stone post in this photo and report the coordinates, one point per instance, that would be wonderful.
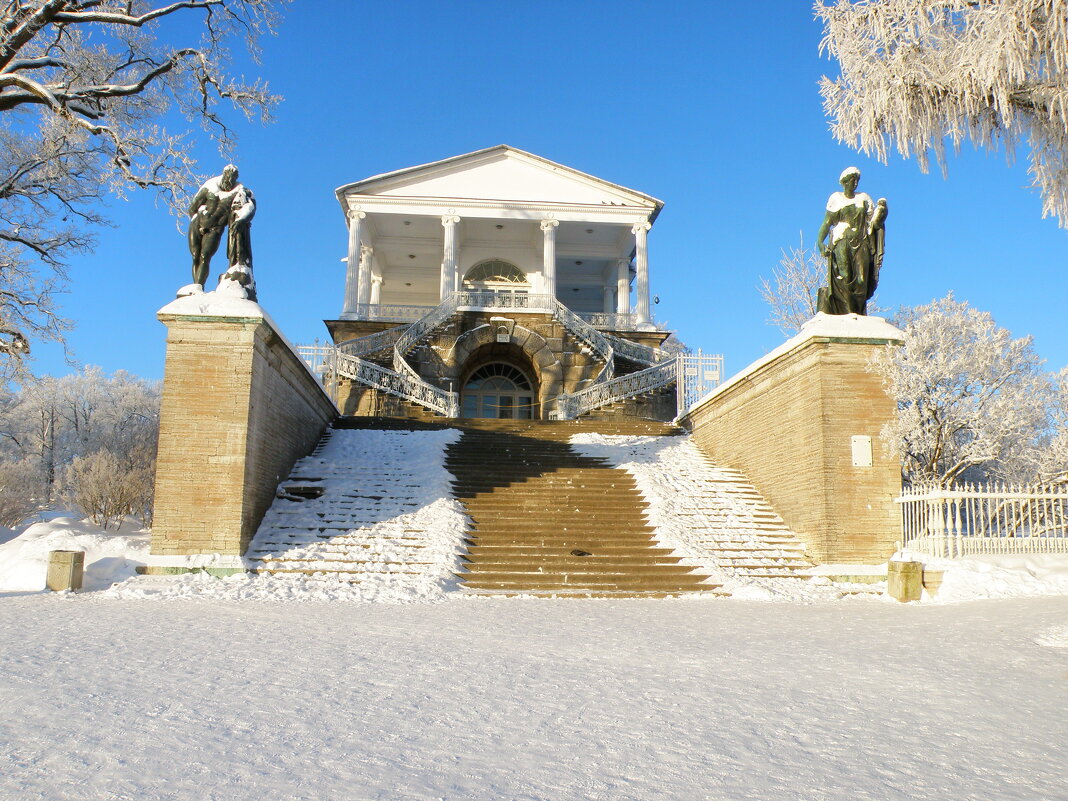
(352, 268)
(641, 261)
(450, 262)
(548, 256)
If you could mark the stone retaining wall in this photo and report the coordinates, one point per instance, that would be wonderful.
(239, 408)
(789, 421)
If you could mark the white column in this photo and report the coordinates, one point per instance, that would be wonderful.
(376, 290)
(623, 286)
(449, 262)
(609, 298)
(641, 261)
(352, 269)
(366, 254)
(548, 256)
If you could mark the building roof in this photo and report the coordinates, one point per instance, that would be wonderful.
(501, 174)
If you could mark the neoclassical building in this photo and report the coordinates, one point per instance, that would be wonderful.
(499, 284)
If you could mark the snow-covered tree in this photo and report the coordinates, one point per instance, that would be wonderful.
(968, 394)
(916, 73)
(793, 290)
(51, 423)
(85, 89)
(795, 283)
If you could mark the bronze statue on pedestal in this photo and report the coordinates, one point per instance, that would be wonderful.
(855, 250)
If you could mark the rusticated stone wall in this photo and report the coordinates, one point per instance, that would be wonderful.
(239, 408)
(788, 423)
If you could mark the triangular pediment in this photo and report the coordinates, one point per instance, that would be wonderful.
(499, 174)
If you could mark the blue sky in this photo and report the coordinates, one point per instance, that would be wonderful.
(711, 107)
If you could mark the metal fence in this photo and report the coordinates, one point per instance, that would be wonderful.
(984, 519)
(699, 374)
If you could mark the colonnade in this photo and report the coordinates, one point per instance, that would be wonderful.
(362, 287)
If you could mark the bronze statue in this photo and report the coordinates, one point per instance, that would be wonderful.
(223, 202)
(855, 250)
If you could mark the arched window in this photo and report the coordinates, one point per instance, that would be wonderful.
(498, 390)
(495, 274)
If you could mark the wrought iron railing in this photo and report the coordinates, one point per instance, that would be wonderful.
(390, 312)
(990, 519)
(404, 381)
(611, 321)
(570, 406)
(402, 385)
(378, 343)
(488, 299)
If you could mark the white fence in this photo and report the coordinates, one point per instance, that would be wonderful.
(699, 374)
(993, 519)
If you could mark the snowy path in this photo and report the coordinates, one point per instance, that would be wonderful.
(525, 699)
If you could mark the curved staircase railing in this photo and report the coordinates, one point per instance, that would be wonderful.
(570, 406)
(399, 384)
(587, 334)
(381, 342)
(404, 380)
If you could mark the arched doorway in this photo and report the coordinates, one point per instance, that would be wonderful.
(498, 390)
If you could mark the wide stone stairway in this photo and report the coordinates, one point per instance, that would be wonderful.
(547, 520)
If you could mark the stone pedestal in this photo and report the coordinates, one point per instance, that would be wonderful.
(65, 570)
(804, 425)
(239, 408)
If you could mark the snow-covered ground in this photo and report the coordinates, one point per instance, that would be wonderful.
(475, 699)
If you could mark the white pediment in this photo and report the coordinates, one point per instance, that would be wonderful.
(498, 174)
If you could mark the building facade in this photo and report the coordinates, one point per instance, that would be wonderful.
(499, 284)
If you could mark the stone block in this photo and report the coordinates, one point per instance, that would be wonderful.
(904, 581)
(239, 407)
(65, 570)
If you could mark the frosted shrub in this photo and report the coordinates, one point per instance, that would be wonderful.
(104, 488)
(21, 488)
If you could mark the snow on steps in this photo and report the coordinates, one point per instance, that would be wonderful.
(711, 515)
(366, 506)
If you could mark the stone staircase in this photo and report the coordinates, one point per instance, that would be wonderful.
(549, 521)
(757, 544)
(365, 506)
(374, 503)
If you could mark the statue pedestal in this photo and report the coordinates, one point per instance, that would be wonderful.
(239, 408)
(803, 424)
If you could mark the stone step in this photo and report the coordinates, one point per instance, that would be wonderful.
(531, 581)
(709, 590)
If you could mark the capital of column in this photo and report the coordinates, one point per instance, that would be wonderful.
(357, 215)
(449, 219)
(642, 226)
(548, 225)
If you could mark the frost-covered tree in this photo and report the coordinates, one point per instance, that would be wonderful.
(968, 394)
(916, 73)
(795, 283)
(85, 89)
(51, 423)
(793, 290)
